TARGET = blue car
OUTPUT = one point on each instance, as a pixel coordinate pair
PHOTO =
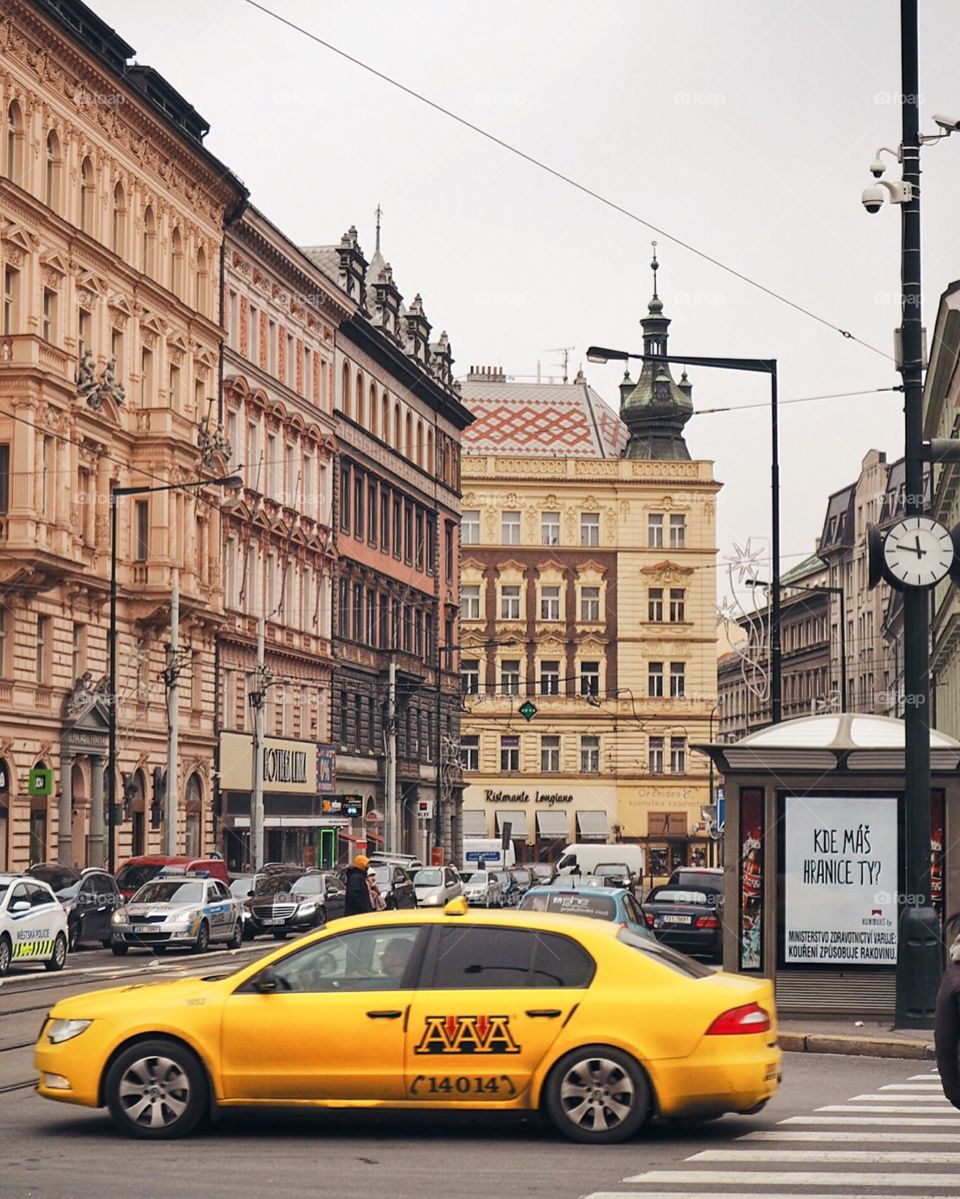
(598, 903)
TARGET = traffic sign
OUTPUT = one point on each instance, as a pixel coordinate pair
(528, 709)
(40, 781)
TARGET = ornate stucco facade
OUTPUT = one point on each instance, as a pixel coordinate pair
(111, 216)
(588, 587)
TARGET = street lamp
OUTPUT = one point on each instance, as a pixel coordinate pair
(823, 589)
(115, 493)
(765, 366)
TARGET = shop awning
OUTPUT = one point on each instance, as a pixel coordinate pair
(593, 826)
(552, 825)
(474, 823)
(518, 820)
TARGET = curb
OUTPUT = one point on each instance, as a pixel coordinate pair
(799, 1042)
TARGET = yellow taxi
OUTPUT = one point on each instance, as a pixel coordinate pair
(455, 1008)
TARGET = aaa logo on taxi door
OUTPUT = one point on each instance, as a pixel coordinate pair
(467, 1034)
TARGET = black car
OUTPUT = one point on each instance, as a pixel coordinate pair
(690, 920)
(89, 897)
(543, 873)
(523, 879)
(396, 886)
(287, 903)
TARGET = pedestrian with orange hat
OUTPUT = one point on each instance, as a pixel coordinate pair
(358, 899)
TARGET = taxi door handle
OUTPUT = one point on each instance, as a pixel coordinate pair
(393, 1014)
(546, 1013)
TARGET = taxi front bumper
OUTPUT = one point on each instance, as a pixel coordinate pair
(77, 1062)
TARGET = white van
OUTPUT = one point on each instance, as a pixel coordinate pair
(587, 855)
(490, 850)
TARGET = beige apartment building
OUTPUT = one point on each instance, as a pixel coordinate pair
(111, 215)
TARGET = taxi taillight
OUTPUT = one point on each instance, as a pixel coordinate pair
(750, 1018)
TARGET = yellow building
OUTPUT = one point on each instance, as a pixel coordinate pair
(111, 221)
(587, 588)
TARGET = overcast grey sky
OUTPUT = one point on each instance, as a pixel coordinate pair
(745, 128)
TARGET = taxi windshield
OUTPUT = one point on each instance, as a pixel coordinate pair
(571, 903)
(428, 878)
(310, 884)
(130, 877)
(274, 883)
(169, 891)
(478, 878)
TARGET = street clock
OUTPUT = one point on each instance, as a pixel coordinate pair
(916, 552)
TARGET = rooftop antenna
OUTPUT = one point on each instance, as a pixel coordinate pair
(379, 215)
(566, 352)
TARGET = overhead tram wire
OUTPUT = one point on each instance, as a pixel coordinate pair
(564, 178)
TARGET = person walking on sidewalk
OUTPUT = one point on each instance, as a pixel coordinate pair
(946, 1028)
(358, 899)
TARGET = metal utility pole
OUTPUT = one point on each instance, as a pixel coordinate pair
(390, 806)
(258, 699)
(918, 957)
(112, 698)
(170, 802)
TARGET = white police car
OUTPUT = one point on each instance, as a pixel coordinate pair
(178, 910)
(33, 924)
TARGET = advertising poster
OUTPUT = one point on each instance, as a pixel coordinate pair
(936, 852)
(840, 880)
(751, 880)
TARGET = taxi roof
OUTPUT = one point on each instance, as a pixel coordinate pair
(545, 921)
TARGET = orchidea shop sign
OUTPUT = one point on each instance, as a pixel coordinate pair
(511, 797)
(287, 767)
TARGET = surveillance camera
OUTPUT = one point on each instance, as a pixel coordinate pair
(947, 124)
(877, 168)
(872, 198)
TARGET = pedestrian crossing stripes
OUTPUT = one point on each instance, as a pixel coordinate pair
(821, 1155)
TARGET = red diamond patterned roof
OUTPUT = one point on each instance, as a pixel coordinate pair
(541, 420)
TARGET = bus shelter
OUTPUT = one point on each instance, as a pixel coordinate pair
(813, 847)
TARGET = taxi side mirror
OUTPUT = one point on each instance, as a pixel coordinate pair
(266, 982)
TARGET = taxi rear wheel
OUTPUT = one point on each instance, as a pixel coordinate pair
(58, 958)
(597, 1095)
(5, 955)
(156, 1089)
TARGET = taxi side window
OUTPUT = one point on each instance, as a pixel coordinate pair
(375, 959)
(20, 894)
(39, 896)
(560, 962)
(475, 957)
(218, 891)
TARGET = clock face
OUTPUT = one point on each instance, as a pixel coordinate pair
(918, 551)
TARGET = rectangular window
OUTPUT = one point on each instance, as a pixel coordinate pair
(233, 309)
(253, 330)
(173, 387)
(470, 753)
(470, 675)
(678, 531)
(419, 542)
(655, 680)
(397, 527)
(589, 754)
(432, 543)
(307, 373)
(84, 332)
(291, 373)
(678, 755)
(589, 678)
(272, 347)
(550, 528)
(510, 602)
(550, 754)
(385, 520)
(677, 680)
(655, 604)
(589, 528)
(252, 457)
(550, 678)
(346, 496)
(407, 531)
(470, 527)
(510, 528)
(48, 481)
(510, 754)
(448, 550)
(141, 530)
(590, 603)
(79, 650)
(655, 530)
(655, 755)
(43, 648)
(3, 643)
(146, 377)
(550, 603)
(677, 605)
(358, 505)
(510, 676)
(373, 509)
(11, 300)
(49, 315)
(4, 477)
(470, 601)
(116, 353)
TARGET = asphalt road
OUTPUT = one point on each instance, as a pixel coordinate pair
(839, 1126)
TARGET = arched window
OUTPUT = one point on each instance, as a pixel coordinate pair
(373, 409)
(358, 416)
(385, 417)
(430, 463)
(149, 240)
(15, 139)
(202, 282)
(54, 172)
(176, 264)
(397, 428)
(345, 405)
(408, 436)
(119, 219)
(86, 195)
(193, 823)
(419, 443)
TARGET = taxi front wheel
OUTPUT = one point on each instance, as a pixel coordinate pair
(58, 959)
(156, 1089)
(597, 1095)
(5, 955)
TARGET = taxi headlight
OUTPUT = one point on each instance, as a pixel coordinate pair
(429, 900)
(65, 1030)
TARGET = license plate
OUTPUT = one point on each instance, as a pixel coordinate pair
(671, 919)
(146, 928)
(270, 920)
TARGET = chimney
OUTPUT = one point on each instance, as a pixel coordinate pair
(486, 374)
